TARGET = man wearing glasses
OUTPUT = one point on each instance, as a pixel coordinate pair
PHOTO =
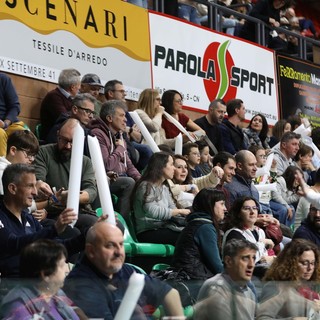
(52, 165)
(83, 111)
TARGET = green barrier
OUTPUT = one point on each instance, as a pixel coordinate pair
(135, 248)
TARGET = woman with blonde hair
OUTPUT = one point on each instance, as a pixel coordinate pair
(150, 111)
(289, 294)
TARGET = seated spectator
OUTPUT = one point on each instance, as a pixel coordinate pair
(228, 295)
(191, 152)
(261, 157)
(114, 90)
(185, 187)
(198, 247)
(82, 110)
(295, 121)
(233, 138)
(39, 296)
(205, 164)
(242, 183)
(108, 129)
(229, 23)
(9, 111)
(153, 203)
(150, 111)
(19, 228)
(290, 292)
(310, 227)
(59, 100)
(227, 163)
(257, 132)
(98, 283)
(187, 10)
(285, 152)
(267, 11)
(244, 214)
(280, 127)
(286, 195)
(172, 101)
(52, 165)
(210, 123)
(91, 83)
(303, 207)
(303, 160)
(22, 147)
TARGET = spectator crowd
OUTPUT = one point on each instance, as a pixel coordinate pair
(239, 202)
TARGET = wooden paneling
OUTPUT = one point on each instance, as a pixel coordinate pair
(31, 92)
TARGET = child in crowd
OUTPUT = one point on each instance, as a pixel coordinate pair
(205, 158)
(192, 154)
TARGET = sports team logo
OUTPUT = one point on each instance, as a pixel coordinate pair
(218, 87)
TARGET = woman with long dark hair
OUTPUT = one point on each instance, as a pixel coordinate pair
(153, 203)
(172, 102)
(257, 132)
(244, 214)
(198, 247)
(286, 196)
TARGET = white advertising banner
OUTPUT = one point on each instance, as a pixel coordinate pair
(204, 65)
(109, 38)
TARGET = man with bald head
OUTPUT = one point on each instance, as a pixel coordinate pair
(97, 284)
(241, 184)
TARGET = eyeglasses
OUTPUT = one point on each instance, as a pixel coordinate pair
(307, 263)
(87, 111)
(262, 156)
(121, 91)
(28, 154)
(180, 101)
(248, 208)
(64, 140)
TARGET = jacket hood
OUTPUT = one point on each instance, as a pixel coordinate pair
(98, 123)
(198, 215)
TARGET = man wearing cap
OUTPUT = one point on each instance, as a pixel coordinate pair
(58, 100)
(91, 83)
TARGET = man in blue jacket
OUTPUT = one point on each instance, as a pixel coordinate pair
(310, 227)
(18, 227)
(97, 284)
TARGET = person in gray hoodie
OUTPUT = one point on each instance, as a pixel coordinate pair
(286, 151)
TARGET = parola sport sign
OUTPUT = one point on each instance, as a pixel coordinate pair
(205, 65)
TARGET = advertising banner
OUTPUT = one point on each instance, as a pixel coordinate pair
(110, 38)
(299, 88)
(204, 65)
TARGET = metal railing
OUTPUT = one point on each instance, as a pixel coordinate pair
(215, 10)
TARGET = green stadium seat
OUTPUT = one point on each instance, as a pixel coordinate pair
(134, 248)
